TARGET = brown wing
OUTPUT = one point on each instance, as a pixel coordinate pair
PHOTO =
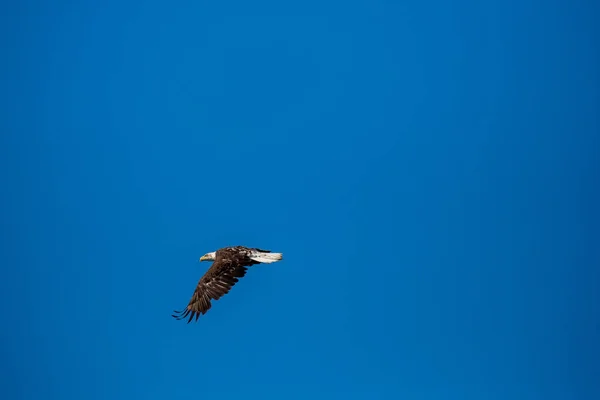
(217, 281)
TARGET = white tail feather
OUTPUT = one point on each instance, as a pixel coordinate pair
(266, 257)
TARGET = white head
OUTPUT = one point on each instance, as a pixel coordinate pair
(209, 256)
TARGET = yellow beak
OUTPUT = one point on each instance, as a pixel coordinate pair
(203, 258)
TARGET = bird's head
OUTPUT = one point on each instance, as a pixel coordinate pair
(208, 256)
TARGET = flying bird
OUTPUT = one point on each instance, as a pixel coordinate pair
(229, 264)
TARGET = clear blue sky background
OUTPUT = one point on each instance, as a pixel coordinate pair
(429, 169)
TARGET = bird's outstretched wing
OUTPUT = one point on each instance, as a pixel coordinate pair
(217, 281)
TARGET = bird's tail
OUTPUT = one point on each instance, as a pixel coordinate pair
(265, 257)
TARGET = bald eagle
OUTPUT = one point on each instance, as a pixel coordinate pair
(229, 264)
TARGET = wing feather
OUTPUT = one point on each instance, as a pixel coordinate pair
(216, 283)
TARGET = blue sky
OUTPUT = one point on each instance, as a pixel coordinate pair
(429, 170)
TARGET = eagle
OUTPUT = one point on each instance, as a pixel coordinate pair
(229, 264)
